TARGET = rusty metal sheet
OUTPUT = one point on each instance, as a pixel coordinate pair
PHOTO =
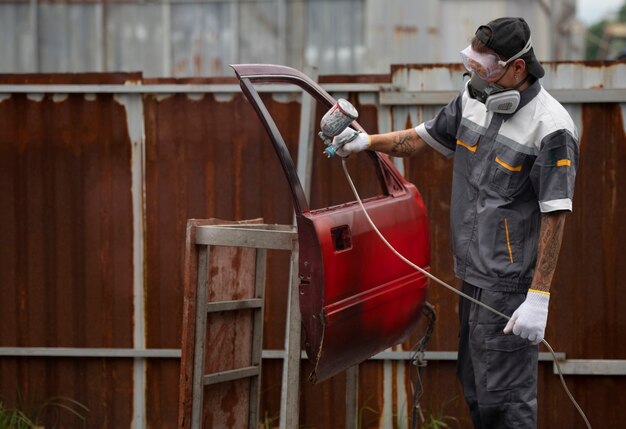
(199, 164)
(66, 247)
(206, 158)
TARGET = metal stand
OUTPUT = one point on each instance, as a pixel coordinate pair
(205, 239)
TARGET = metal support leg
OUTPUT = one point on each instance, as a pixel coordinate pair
(257, 338)
(290, 392)
(352, 397)
(201, 319)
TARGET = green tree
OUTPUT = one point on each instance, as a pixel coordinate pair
(595, 36)
(594, 39)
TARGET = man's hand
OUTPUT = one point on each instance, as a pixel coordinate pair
(348, 143)
(529, 320)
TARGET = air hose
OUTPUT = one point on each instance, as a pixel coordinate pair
(455, 290)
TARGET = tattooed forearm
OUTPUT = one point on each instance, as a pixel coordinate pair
(404, 143)
(398, 143)
(550, 237)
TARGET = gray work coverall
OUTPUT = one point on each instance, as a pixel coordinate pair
(508, 169)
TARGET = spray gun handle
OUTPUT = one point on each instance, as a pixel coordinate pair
(340, 141)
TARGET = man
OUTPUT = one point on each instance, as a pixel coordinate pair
(515, 154)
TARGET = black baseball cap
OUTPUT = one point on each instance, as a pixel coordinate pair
(508, 37)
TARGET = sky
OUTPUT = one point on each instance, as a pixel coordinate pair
(592, 11)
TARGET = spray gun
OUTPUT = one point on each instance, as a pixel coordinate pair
(334, 122)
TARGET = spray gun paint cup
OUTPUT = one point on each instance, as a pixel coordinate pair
(335, 121)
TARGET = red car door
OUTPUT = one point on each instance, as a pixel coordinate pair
(356, 297)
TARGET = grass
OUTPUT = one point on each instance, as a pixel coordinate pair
(52, 408)
(439, 420)
(11, 418)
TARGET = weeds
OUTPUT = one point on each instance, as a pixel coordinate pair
(268, 422)
(439, 420)
(11, 418)
(15, 418)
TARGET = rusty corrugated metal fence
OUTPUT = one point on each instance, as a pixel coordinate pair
(100, 172)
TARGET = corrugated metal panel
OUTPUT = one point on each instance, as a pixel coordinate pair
(207, 157)
(203, 38)
(135, 37)
(261, 32)
(399, 32)
(474, 13)
(335, 36)
(188, 38)
(69, 37)
(19, 39)
(66, 249)
(66, 266)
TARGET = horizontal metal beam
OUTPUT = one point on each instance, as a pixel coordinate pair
(593, 367)
(119, 89)
(88, 352)
(241, 304)
(604, 95)
(177, 88)
(568, 366)
(416, 98)
(408, 355)
(175, 353)
(230, 375)
(246, 237)
(390, 95)
(264, 226)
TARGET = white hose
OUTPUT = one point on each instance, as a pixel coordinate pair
(455, 290)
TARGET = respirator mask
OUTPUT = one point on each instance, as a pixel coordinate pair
(483, 66)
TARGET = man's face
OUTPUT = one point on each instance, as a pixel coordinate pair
(492, 69)
(486, 65)
(510, 76)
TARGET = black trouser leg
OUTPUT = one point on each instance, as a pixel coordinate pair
(465, 369)
(498, 371)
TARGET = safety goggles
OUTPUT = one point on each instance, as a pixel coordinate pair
(488, 65)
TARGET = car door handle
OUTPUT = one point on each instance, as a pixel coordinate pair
(342, 238)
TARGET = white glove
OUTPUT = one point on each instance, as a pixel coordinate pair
(530, 318)
(348, 143)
